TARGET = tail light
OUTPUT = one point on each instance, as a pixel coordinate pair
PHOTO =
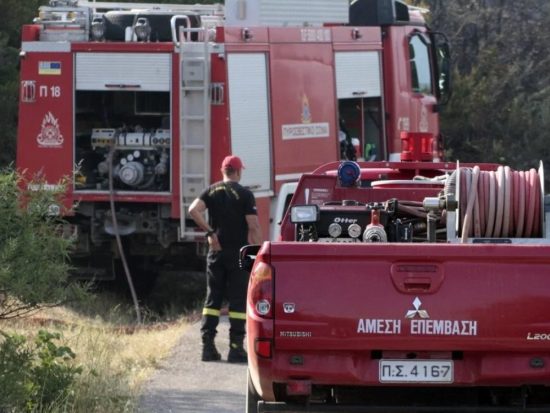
(263, 347)
(298, 388)
(416, 147)
(260, 290)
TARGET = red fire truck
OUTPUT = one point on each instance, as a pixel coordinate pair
(138, 104)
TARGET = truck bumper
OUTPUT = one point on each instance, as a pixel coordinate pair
(504, 382)
(272, 407)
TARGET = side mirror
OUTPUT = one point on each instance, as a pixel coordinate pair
(442, 64)
(247, 256)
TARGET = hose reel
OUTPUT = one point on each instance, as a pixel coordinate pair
(499, 204)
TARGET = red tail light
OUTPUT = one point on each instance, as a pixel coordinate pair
(298, 388)
(262, 347)
(416, 147)
(260, 290)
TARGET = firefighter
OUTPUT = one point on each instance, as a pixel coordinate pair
(347, 150)
(233, 223)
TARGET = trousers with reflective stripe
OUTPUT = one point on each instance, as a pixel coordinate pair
(225, 280)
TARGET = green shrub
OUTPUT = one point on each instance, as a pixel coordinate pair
(15, 367)
(37, 376)
(34, 251)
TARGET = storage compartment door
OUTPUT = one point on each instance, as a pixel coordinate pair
(123, 71)
(358, 75)
(249, 115)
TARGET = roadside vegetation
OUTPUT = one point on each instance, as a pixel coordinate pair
(500, 110)
(61, 361)
(62, 347)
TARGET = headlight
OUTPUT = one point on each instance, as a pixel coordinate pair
(301, 214)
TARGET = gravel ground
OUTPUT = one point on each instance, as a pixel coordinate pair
(186, 384)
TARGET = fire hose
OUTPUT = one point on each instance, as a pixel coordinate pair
(117, 234)
(500, 204)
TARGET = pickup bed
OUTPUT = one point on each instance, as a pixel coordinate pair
(385, 295)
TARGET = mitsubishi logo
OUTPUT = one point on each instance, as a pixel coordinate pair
(417, 311)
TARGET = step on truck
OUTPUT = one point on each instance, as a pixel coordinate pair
(404, 287)
(135, 105)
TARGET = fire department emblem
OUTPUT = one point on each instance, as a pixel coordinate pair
(50, 135)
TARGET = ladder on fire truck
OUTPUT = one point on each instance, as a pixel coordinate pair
(195, 100)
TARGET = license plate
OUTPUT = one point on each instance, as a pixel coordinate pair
(416, 371)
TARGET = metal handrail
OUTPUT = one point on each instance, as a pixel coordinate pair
(173, 26)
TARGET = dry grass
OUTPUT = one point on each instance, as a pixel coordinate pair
(117, 357)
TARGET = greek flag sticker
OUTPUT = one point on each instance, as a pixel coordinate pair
(49, 68)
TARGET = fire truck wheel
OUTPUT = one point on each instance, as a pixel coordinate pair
(252, 397)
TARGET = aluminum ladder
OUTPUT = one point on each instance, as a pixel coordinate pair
(195, 134)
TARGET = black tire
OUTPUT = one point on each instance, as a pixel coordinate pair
(252, 397)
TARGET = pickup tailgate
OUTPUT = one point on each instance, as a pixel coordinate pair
(411, 297)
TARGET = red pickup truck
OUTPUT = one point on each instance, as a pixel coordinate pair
(404, 287)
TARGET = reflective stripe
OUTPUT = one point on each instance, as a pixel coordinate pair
(238, 316)
(211, 311)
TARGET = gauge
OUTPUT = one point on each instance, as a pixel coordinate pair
(335, 230)
(354, 230)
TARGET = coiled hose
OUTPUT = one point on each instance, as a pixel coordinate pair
(499, 204)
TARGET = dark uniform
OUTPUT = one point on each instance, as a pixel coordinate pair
(347, 150)
(228, 203)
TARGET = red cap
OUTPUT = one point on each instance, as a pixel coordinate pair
(233, 162)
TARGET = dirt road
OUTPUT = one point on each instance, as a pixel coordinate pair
(185, 384)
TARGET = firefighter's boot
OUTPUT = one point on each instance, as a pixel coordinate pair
(209, 351)
(237, 354)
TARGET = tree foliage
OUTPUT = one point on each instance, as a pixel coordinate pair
(35, 377)
(33, 251)
(13, 14)
(500, 110)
